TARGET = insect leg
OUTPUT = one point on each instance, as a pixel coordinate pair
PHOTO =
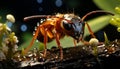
(74, 42)
(33, 39)
(44, 33)
(45, 42)
(58, 44)
(91, 32)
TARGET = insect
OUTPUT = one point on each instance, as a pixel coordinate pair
(59, 25)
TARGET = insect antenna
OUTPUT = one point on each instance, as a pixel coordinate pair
(36, 16)
(93, 12)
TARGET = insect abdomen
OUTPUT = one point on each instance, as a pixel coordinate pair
(41, 38)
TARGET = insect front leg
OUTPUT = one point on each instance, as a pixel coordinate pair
(90, 31)
(33, 39)
(58, 44)
(74, 42)
(45, 43)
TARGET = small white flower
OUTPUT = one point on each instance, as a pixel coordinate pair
(15, 39)
(15, 48)
(10, 18)
(6, 40)
(3, 27)
(94, 41)
(8, 28)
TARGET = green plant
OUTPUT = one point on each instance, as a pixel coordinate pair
(116, 19)
(106, 41)
(112, 6)
(8, 40)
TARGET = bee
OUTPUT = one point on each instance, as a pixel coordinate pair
(59, 25)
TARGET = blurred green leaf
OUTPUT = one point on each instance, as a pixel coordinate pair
(96, 24)
(108, 5)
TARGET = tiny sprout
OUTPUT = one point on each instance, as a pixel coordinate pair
(23, 51)
(10, 18)
(94, 41)
(106, 39)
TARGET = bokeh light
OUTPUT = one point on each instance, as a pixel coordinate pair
(40, 9)
(23, 27)
(39, 1)
(9, 24)
(58, 3)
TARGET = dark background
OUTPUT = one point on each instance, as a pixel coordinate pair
(23, 8)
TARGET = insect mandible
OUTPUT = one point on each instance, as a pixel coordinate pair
(59, 25)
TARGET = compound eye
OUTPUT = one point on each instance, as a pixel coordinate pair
(67, 25)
